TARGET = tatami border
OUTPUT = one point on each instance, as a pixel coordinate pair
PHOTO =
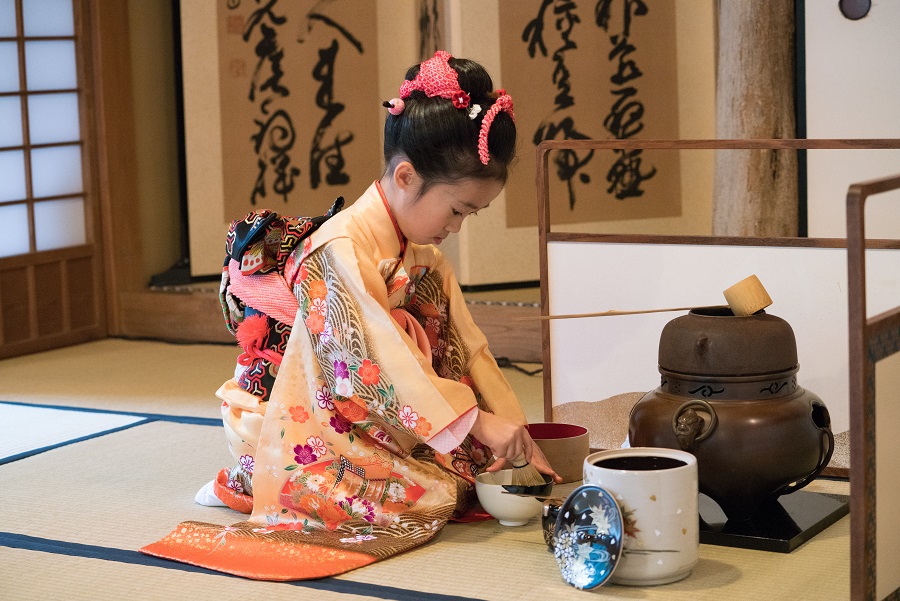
(58, 547)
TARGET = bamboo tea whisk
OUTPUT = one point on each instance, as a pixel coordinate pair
(525, 474)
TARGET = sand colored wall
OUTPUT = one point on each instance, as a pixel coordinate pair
(488, 251)
(485, 251)
(397, 50)
(887, 425)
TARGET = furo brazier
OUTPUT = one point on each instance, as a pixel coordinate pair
(729, 395)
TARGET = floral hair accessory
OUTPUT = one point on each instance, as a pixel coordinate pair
(503, 103)
(437, 78)
(460, 99)
(395, 106)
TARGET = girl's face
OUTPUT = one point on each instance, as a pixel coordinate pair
(431, 217)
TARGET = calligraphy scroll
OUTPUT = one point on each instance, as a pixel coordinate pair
(299, 103)
(598, 69)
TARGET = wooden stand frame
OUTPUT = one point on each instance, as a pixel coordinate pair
(870, 339)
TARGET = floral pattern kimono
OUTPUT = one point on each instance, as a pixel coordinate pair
(362, 450)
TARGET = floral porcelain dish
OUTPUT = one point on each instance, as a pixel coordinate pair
(585, 532)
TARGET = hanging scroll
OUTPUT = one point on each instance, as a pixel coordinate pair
(300, 111)
(599, 69)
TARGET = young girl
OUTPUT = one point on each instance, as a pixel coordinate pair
(387, 402)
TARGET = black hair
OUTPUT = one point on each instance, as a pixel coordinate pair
(441, 141)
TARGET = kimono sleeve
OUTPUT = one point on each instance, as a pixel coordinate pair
(373, 374)
(497, 396)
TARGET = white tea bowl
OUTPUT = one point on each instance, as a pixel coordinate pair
(509, 509)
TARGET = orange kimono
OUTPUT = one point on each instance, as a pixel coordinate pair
(363, 449)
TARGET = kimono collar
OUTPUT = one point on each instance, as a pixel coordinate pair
(390, 213)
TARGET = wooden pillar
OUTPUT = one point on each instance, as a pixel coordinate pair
(755, 191)
(116, 156)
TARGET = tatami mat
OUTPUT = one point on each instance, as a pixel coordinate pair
(73, 517)
(115, 493)
(123, 375)
(77, 578)
(159, 377)
(28, 430)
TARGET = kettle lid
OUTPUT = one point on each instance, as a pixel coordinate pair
(715, 342)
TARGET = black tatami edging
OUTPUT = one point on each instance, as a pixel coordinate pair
(336, 585)
(159, 417)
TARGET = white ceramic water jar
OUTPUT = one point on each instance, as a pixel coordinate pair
(656, 490)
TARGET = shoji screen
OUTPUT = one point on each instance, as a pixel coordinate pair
(41, 188)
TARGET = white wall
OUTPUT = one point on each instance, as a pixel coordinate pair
(597, 358)
(852, 91)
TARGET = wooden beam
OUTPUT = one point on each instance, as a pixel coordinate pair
(116, 156)
(173, 316)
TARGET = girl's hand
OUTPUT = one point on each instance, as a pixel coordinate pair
(509, 440)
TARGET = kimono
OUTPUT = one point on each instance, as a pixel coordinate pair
(362, 449)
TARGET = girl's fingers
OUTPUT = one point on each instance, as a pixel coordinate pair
(538, 459)
(543, 466)
(498, 465)
(529, 449)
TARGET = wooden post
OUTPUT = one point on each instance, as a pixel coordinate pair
(755, 191)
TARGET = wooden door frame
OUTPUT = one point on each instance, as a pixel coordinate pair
(545, 233)
(134, 310)
(871, 340)
(82, 301)
(116, 157)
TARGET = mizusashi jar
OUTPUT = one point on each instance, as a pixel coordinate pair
(656, 491)
(729, 395)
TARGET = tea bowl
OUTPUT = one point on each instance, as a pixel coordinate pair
(509, 509)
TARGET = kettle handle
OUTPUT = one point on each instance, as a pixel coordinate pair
(824, 458)
(701, 433)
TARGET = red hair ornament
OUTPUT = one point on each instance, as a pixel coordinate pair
(437, 78)
(503, 103)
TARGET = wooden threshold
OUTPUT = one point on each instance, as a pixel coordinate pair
(196, 316)
(174, 316)
(518, 341)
